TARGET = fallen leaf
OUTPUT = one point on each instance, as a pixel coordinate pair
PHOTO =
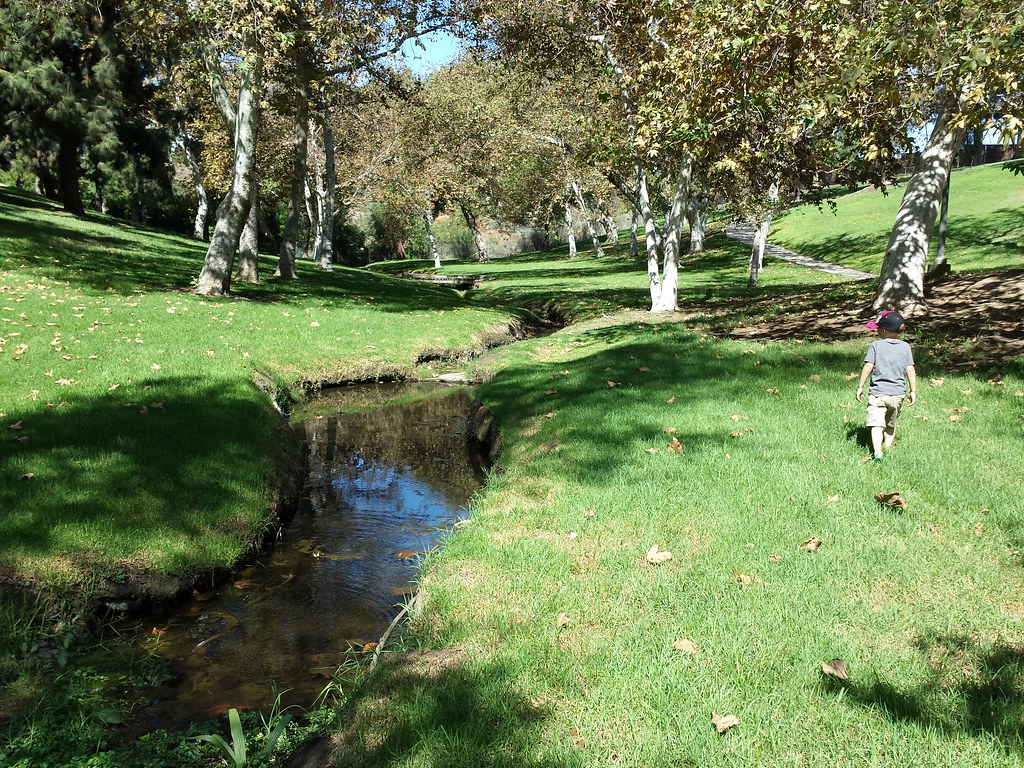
(155, 366)
(936, 382)
(686, 646)
(65, 382)
(743, 579)
(735, 418)
(851, 376)
(833, 497)
(666, 430)
(650, 450)
(158, 631)
(979, 529)
(956, 417)
(836, 668)
(893, 499)
(644, 369)
(369, 647)
(20, 439)
(550, 391)
(774, 559)
(550, 415)
(15, 425)
(405, 554)
(773, 391)
(724, 722)
(967, 391)
(563, 621)
(242, 584)
(814, 377)
(656, 557)
(811, 544)
(614, 383)
(675, 446)
(28, 476)
(673, 399)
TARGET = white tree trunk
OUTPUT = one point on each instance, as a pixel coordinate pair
(570, 233)
(215, 277)
(697, 217)
(757, 251)
(474, 227)
(901, 283)
(652, 239)
(300, 144)
(611, 229)
(314, 198)
(249, 242)
(633, 245)
(590, 221)
(202, 202)
(668, 299)
(325, 254)
(428, 224)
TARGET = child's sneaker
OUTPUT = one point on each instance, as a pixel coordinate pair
(877, 459)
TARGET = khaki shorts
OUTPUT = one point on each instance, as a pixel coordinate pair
(883, 410)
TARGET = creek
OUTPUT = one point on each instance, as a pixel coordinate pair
(390, 469)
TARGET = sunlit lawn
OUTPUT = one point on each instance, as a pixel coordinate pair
(986, 224)
(553, 640)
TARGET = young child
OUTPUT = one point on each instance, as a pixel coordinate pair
(890, 364)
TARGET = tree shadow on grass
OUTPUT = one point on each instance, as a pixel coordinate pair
(167, 474)
(435, 708)
(972, 688)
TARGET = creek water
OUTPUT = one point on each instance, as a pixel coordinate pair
(391, 468)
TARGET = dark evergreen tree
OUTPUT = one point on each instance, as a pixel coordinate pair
(71, 86)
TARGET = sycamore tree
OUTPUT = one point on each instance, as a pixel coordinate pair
(953, 65)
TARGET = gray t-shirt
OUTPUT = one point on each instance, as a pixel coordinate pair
(890, 358)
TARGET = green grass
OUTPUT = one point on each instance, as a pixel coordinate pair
(146, 444)
(925, 605)
(986, 224)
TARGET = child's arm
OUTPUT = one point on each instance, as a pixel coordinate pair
(912, 383)
(864, 373)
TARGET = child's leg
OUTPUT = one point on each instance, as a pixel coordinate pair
(888, 436)
(876, 440)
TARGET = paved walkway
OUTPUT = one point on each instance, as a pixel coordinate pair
(745, 234)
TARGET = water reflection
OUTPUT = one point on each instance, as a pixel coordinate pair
(390, 468)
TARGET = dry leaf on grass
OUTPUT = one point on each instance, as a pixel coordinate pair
(811, 545)
(814, 377)
(893, 500)
(936, 382)
(666, 430)
(832, 497)
(16, 425)
(837, 669)
(671, 400)
(724, 722)
(774, 558)
(743, 579)
(563, 621)
(851, 376)
(686, 646)
(28, 476)
(550, 391)
(774, 391)
(675, 446)
(650, 450)
(656, 557)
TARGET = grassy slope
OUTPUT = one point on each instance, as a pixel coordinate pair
(147, 442)
(925, 605)
(986, 228)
